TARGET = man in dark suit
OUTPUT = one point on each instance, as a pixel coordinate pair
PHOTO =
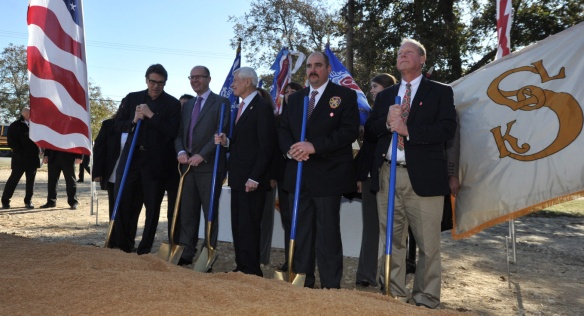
(425, 121)
(25, 160)
(251, 147)
(328, 172)
(196, 147)
(152, 161)
(106, 153)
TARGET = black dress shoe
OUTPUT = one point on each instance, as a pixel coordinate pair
(80, 181)
(48, 205)
(362, 283)
(5, 206)
(29, 206)
(75, 206)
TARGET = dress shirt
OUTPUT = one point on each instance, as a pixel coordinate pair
(401, 155)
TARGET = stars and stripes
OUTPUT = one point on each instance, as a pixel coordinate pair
(503, 27)
(57, 73)
(283, 72)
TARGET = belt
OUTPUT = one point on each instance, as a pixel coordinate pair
(398, 164)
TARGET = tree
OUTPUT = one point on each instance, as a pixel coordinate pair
(13, 82)
(269, 25)
(14, 90)
(100, 108)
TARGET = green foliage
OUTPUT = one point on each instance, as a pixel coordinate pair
(459, 35)
(269, 25)
(14, 91)
(13, 82)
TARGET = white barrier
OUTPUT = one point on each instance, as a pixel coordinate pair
(351, 224)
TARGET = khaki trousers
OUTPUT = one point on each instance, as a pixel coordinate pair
(423, 215)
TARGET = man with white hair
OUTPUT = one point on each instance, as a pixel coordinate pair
(251, 147)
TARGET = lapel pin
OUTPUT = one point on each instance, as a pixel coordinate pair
(332, 114)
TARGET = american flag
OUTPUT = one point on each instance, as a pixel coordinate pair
(503, 27)
(58, 76)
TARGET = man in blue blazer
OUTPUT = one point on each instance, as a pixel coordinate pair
(328, 172)
(424, 125)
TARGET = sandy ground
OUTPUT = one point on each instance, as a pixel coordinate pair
(62, 253)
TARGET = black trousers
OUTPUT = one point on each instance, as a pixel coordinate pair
(246, 216)
(65, 163)
(13, 180)
(318, 229)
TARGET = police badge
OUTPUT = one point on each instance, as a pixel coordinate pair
(334, 102)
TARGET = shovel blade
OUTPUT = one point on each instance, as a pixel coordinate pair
(170, 253)
(205, 261)
(281, 275)
(295, 279)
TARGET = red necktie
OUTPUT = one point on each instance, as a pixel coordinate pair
(239, 111)
(405, 113)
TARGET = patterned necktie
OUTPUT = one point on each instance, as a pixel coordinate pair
(194, 117)
(239, 111)
(311, 103)
(405, 113)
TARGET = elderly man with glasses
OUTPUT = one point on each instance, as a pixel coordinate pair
(154, 158)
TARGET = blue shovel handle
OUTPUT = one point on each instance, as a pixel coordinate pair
(126, 170)
(391, 193)
(298, 174)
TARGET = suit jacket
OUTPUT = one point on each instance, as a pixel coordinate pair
(25, 153)
(203, 133)
(157, 134)
(332, 128)
(431, 123)
(251, 145)
(106, 151)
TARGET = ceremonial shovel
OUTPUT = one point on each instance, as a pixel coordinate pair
(290, 276)
(390, 206)
(122, 184)
(172, 252)
(207, 258)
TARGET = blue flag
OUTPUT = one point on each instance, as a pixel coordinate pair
(227, 92)
(341, 76)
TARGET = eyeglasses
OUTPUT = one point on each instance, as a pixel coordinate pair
(156, 83)
(197, 77)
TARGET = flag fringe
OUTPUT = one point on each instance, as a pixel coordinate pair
(514, 215)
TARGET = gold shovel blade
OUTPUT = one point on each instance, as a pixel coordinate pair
(296, 279)
(205, 261)
(170, 253)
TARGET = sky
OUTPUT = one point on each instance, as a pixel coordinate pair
(124, 37)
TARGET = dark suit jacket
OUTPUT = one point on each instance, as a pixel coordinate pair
(431, 123)
(251, 145)
(331, 129)
(25, 153)
(203, 133)
(106, 151)
(157, 134)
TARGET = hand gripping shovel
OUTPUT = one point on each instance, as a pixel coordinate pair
(290, 276)
(208, 257)
(390, 206)
(122, 184)
(172, 252)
